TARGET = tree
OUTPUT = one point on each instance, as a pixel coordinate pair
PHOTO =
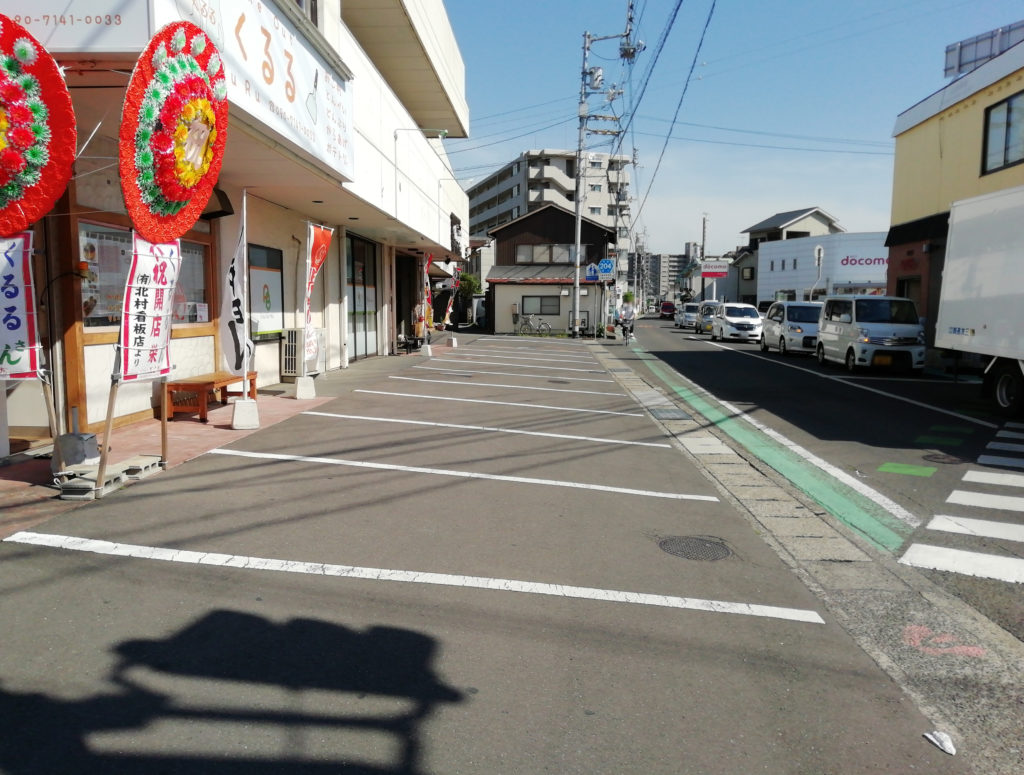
(469, 284)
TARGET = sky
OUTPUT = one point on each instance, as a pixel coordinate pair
(734, 110)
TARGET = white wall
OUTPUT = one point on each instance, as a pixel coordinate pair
(848, 258)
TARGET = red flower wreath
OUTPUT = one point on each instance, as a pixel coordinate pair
(37, 129)
(173, 130)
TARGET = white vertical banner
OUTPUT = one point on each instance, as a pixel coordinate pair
(237, 349)
(19, 330)
(148, 310)
(318, 242)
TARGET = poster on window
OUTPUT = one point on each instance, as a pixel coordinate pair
(19, 332)
(148, 310)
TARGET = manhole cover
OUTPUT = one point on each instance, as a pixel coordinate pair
(695, 547)
(670, 414)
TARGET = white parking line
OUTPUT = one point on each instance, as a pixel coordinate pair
(986, 566)
(467, 372)
(679, 496)
(490, 354)
(522, 366)
(504, 403)
(983, 528)
(492, 429)
(514, 387)
(94, 546)
(986, 501)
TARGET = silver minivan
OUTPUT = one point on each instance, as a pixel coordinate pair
(862, 331)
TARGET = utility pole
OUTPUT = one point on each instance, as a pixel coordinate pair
(591, 83)
(703, 243)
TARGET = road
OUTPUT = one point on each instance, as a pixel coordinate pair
(512, 556)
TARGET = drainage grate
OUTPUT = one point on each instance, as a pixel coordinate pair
(670, 413)
(695, 547)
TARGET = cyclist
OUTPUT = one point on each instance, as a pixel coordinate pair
(627, 316)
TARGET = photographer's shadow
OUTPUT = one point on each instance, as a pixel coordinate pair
(249, 661)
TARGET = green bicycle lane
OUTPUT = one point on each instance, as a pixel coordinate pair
(867, 516)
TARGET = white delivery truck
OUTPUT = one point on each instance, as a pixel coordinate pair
(981, 304)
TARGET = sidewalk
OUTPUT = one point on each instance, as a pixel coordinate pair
(29, 496)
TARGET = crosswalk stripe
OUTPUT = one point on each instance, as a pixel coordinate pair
(986, 501)
(1010, 435)
(983, 528)
(996, 460)
(991, 477)
(1004, 446)
(986, 566)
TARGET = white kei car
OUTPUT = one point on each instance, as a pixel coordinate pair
(791, 326)
(735, 321)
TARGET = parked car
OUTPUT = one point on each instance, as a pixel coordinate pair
(686, 314)
(668, 310)
(736, 321)
(791, 326)
(870, 331)
(705, 316)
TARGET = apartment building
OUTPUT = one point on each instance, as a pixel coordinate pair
(539, 177)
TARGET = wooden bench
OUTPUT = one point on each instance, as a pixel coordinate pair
(192, 394)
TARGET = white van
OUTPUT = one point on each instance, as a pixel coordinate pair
(791, 326)
(870, 331)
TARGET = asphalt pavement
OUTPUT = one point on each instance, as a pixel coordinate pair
(511, 555)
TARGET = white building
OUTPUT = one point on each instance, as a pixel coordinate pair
(336, 114)
(851, 263)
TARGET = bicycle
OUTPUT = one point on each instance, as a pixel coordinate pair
(530, 325)
(627, 331)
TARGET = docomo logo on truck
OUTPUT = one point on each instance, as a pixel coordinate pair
(856, 261)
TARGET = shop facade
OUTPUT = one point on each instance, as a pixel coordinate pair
(322, 130)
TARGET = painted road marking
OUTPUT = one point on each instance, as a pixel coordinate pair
(990, 477)
(1010, 435)
(1005, 462)
(885, 529)
(462, 474)
(493, 429)
(986, 501)
(938, 441)
(522, 366)
(907, 470)
(513, 387)
(94, 546)
(469, 372)
(1003, 446)
(490, 353)
(505, 403)
(986, 566)
(983, 528)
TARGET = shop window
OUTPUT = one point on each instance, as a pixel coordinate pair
(266, 290)
(1004, 134)
(541, 305)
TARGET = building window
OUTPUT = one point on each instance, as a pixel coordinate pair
(595, 187)
(794, 264)
(595, 211)
(541, 305)
(107, 252)
(595, 165)
(1004, 134)
(783, 265)
(771, 266)
(748, 273)
(309, 9)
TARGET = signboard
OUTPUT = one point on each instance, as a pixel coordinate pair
(591, 275)
(19, 334)
(148, 308)
(606, 268)
(712, 269)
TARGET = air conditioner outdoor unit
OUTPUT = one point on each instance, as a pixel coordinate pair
(292, 350)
